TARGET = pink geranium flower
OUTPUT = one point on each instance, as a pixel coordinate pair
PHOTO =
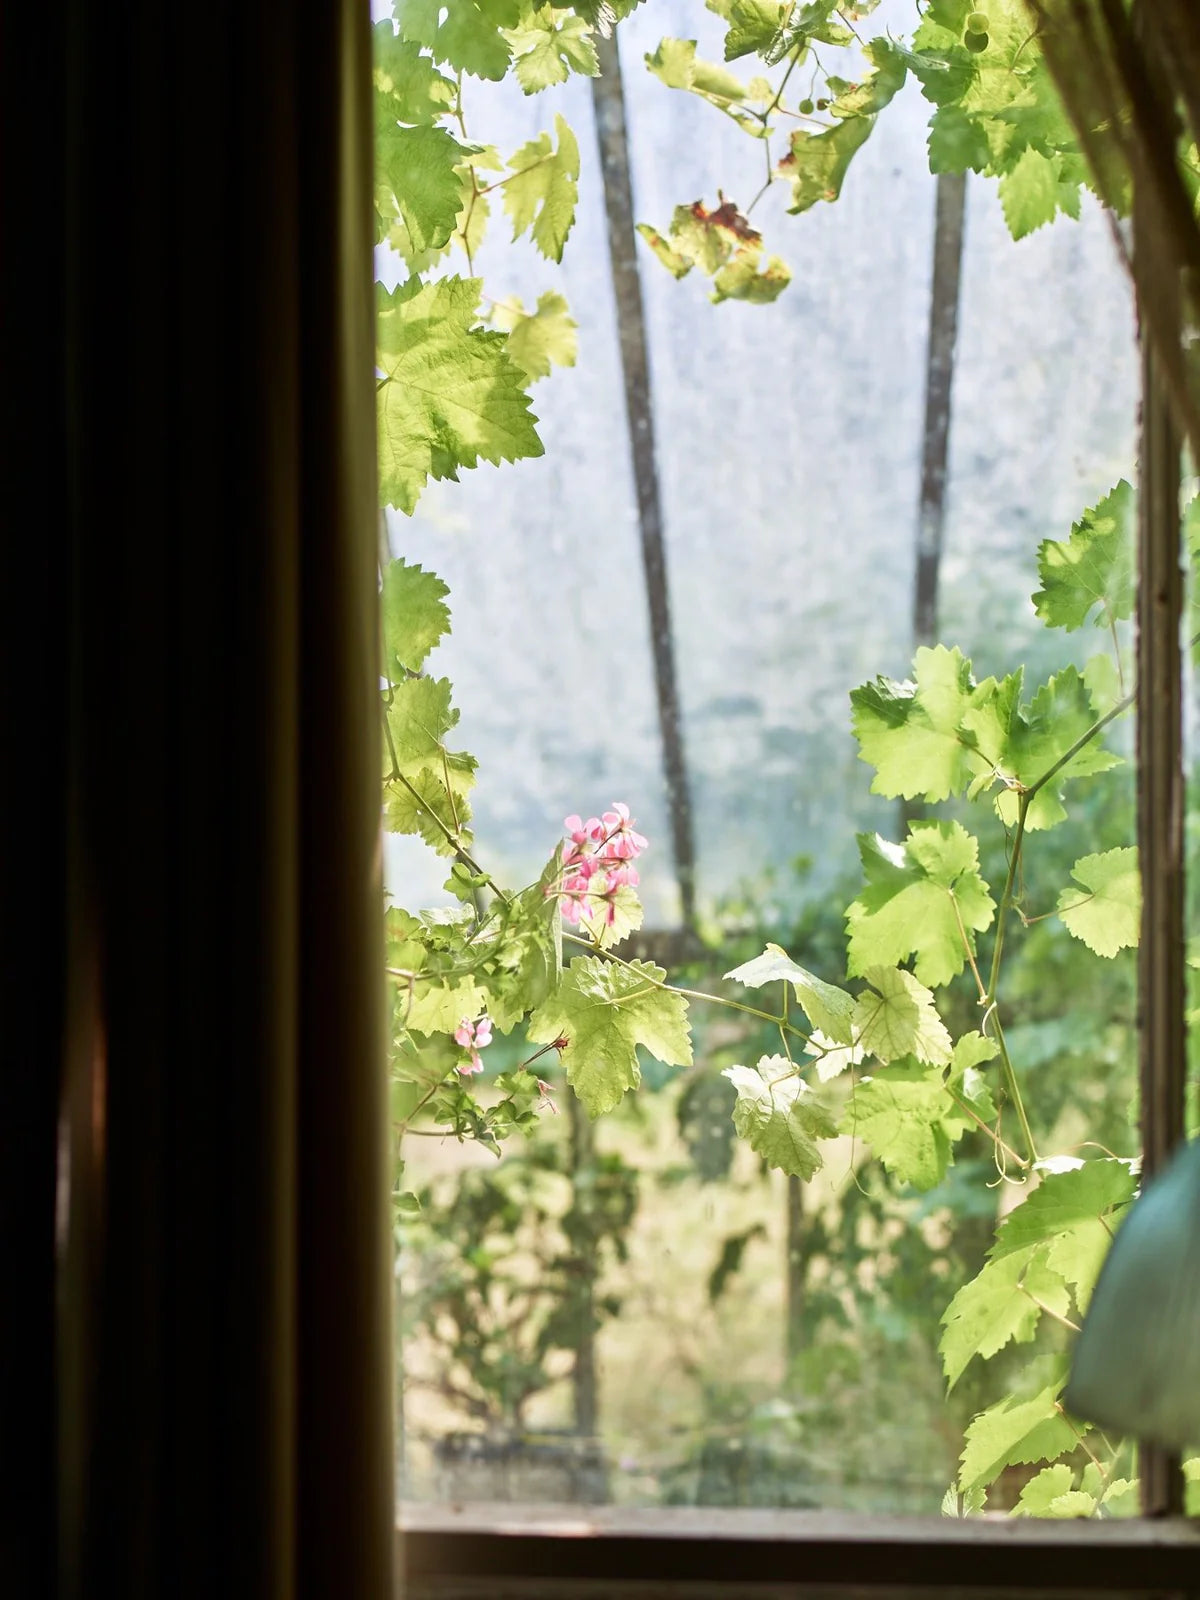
(473, 1037)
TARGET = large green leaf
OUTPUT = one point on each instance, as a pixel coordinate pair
(1003, 1302)
(676, 64)
(1021, 744)
(899, 1113)
(468, 35)
(912, 732)
(549, 46)
(753, 24)
(412, 87)
(1074, 1214)
(604, 1011)
(1105, 911)
(1091, 573)
(779, 1116)
(1029, 193)
(419, 167)
(449, 396)
(1012, 1432)
(922, 898)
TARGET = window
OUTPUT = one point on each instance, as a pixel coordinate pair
(724, 717)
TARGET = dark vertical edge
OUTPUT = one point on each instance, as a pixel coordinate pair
(797, 1271)
(1161, 975)
(1162, 1039)
(346, 1485)
(33, 690)
(948, 229)
(939, 382)
(583, 1376)
(609, 101)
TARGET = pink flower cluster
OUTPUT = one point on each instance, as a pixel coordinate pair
(597, 860)
(473, 1037)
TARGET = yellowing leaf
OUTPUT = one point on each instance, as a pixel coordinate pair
(541, 194)
(538, 340)
(896, 1017)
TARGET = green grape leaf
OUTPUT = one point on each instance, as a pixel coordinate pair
(998, 1305)
(911, 732)
(896, 1017)
(1073, 1213)
(1106, 910)
(413, 88)
(449, 396)
(549, 46)
(826, 1006)
(418, 719)
(922, 898)
(470, 223)
(604, 1012)
(437, 1005)
(1013, 1432)
(676, 64)
(1020, 744)
(753, 24)
(957, 142)
(541, 339)
(779, 1116)
(468, 35)
(419, 165)
(430, 807)
(898, 1112)
(1029, 193)
(1091, 574)
(816, 163)
(542, 192)
(415, 616)
(1043, 1489)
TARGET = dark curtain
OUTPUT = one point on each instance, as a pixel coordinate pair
(194, 1343)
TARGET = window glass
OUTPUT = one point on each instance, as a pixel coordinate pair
(650, 1308)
